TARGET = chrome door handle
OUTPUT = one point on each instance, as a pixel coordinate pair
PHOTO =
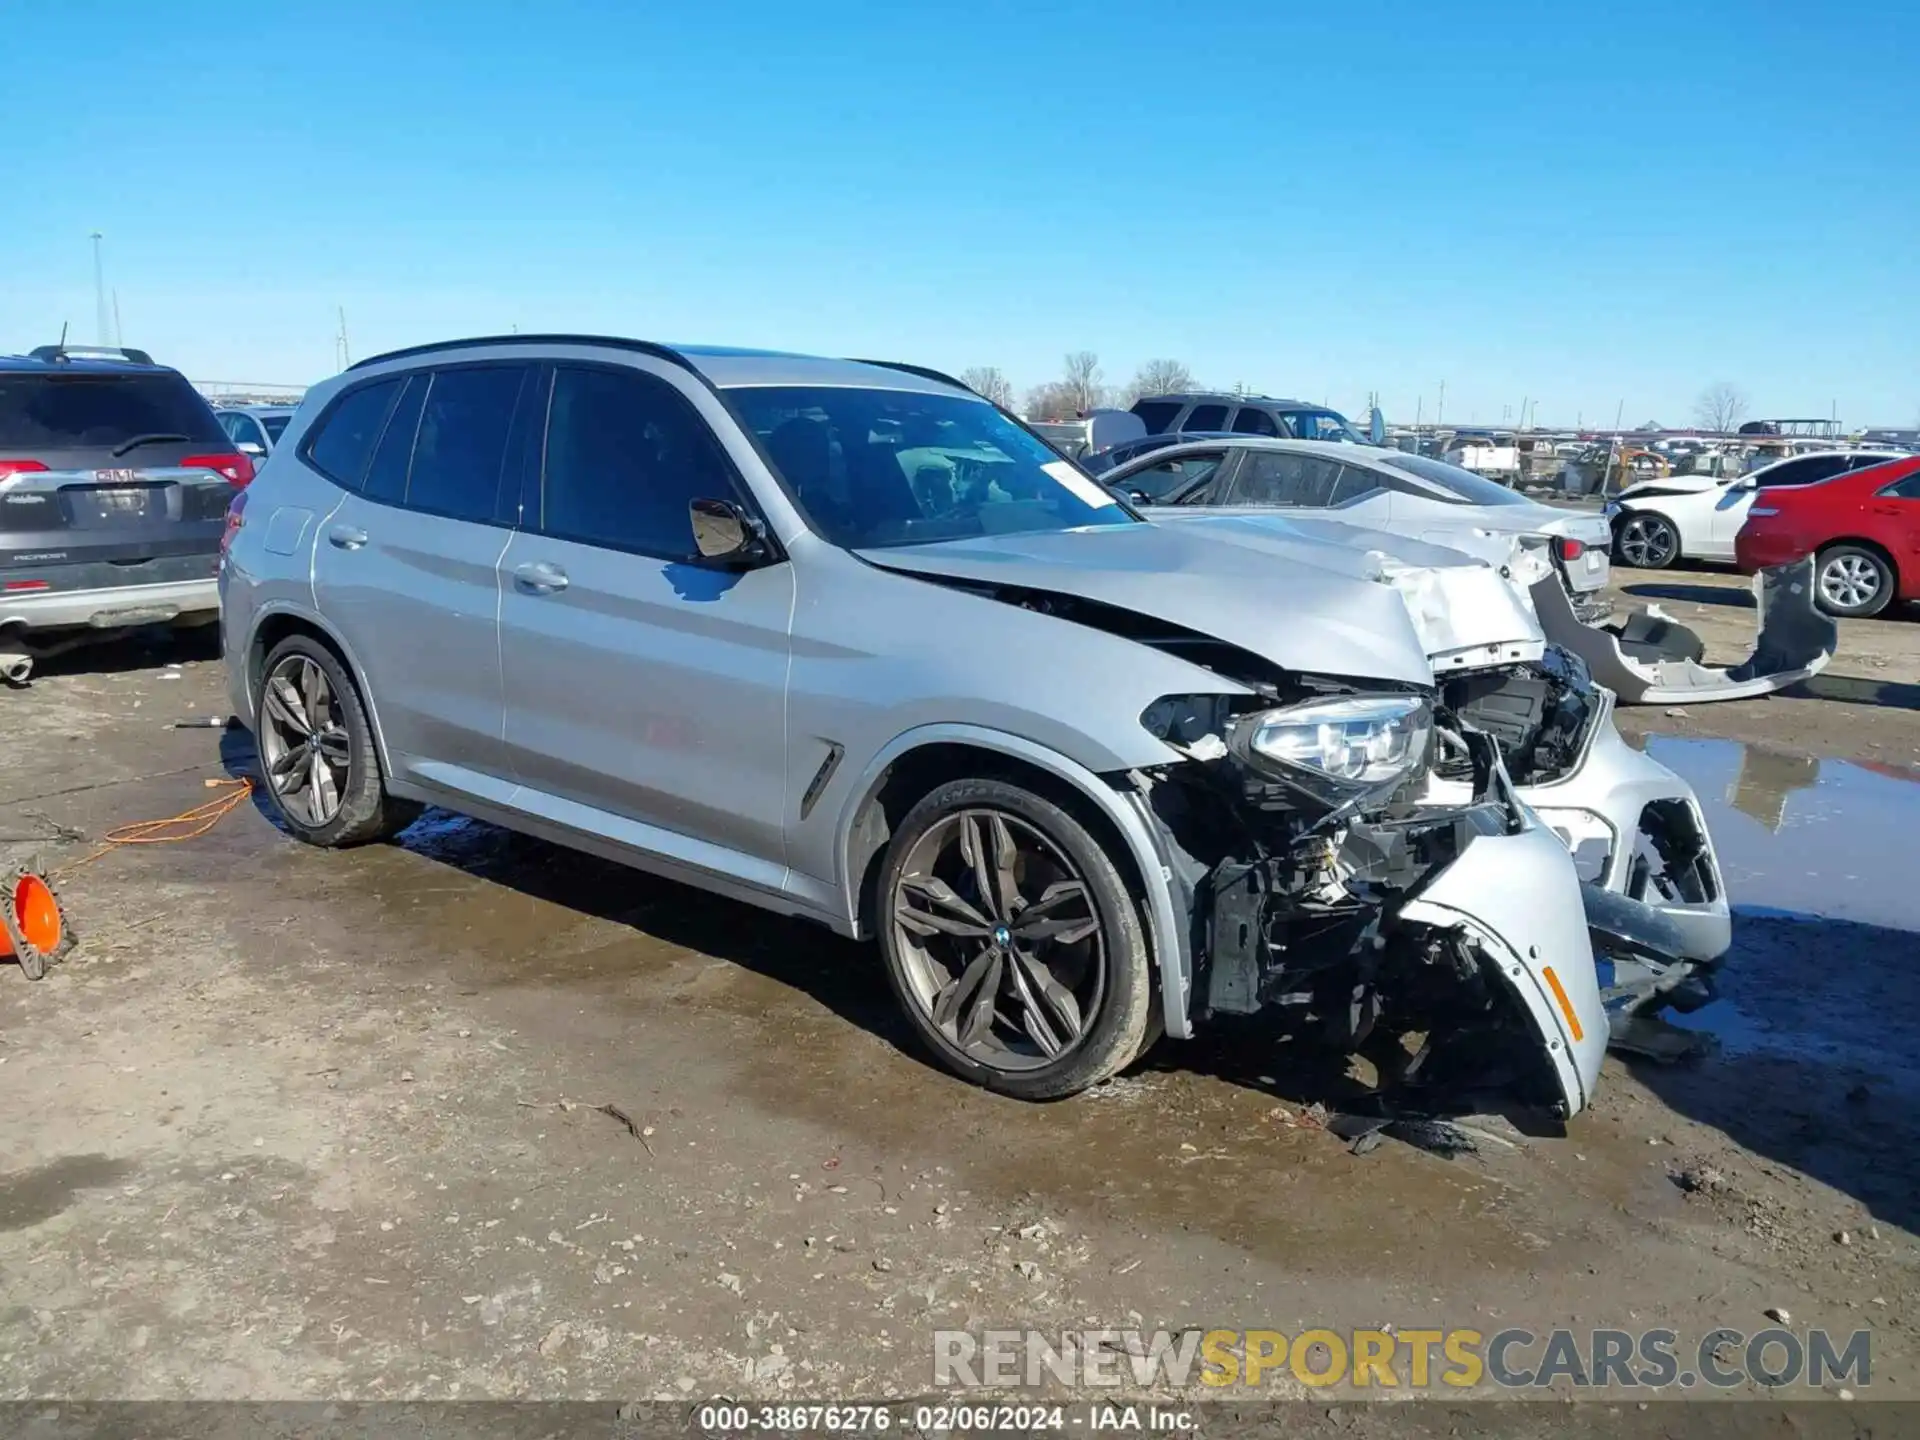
(346, 537)
(540, 578)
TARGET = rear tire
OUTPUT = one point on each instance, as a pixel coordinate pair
(1853, 581)
(1012, 943)
(319, 767)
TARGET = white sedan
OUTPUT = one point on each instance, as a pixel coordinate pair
(1696, 517)
(1410, 495)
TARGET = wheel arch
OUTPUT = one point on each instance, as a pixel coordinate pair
(280, 622)
(915, 763)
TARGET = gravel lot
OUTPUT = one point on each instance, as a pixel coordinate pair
(294, 1125)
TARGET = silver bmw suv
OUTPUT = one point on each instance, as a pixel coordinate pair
(843, 640)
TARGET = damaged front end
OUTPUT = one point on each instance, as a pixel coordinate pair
(1647, 659)
(1444, 943)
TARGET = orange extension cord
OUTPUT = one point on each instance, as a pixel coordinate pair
(190, 825)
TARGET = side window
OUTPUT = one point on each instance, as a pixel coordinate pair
(461, 446)
(1251, 421)
(1206, 417)
(1172, 479)
(387, 476)
(1284, 479)
(626, 457)
(1906, 488)
(1356, 481)
(230, 422)
(1810, 471)
(343, 442)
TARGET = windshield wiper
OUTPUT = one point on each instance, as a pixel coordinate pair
(154, 439)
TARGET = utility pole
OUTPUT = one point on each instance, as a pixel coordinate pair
(99, 292)
(119, 335)
(1440, 410)
(341, 354)
(1619, 415)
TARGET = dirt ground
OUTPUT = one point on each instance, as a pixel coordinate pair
(293, 1124)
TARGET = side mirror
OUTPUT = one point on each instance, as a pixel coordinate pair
(723, 532)
(1139, 497)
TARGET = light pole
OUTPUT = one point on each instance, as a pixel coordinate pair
(99, 293)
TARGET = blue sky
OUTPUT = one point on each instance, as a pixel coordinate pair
(1582, 205)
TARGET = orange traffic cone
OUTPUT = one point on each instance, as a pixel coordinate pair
(33, 927)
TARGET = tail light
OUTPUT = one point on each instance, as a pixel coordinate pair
(237, 468)
(1568, 548)
(19, 467)
(16, 587)
(236, 517)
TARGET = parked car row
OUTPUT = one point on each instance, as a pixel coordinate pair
(844, 640)
(1857, 512)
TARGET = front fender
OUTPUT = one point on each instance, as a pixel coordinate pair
(1165, 930)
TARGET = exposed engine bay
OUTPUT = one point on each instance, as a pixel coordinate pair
(1302, 910)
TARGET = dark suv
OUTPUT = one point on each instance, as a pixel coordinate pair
(114, 484)
(1244, 415)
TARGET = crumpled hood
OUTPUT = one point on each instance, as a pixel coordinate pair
(1323, 610)
(1466, 612)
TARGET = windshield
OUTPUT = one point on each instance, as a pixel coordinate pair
(1320, 425)
(1454, 485)
(276, 426)
(877, 468)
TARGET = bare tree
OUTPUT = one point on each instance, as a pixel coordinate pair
(1158, 377)
(1720, 407)
(987, 382)
(1049, 402)
(1081, 386)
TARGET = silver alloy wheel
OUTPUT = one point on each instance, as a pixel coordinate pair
(307, 756)
(1648, 542)
(1002, 946)
(1849, 582)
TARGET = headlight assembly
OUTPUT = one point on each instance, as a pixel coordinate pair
(1338, 749)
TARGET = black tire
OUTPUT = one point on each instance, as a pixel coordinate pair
(366, 811)
(1117, 1031)
(1839, 573)
(1653, 538)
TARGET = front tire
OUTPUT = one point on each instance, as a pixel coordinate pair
(1853, 581)
(319, 767)
(1645, 541)
(1012, 943)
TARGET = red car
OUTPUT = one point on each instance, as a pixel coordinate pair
(1864, 526)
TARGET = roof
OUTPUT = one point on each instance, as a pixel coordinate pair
(1216, 397)
(724, 367)
(1343, 449)
(78, 365)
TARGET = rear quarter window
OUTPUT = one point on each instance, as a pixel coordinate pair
(343, 439)
(1157, 415)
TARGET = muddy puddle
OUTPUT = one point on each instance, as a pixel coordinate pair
(1818, 864)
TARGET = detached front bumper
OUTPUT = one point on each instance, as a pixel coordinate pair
(1795, 641)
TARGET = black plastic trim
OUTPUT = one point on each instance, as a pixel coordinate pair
(641, 347)
(924, 372)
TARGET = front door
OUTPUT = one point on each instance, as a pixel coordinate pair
(646, 690)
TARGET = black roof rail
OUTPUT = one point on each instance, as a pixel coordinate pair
(90, 352)
(921, 370)
(644, 347)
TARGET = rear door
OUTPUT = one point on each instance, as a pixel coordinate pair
(110, 478)
(1895, 511)
(407, 565)
(644, 687)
